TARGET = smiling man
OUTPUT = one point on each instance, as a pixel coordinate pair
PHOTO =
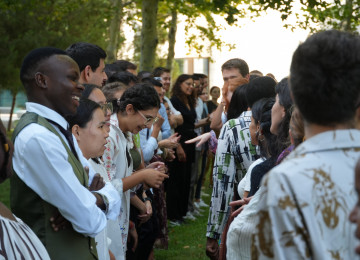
(50, 182)
(91, 61)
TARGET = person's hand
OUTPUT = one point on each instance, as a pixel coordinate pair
(200, 139)
(172, 121)
(241, 203)
(148, 207)
(97, 183)
(181, 154)
(159, 122)
(171, 142)
(159, 166)
(58, 222)
(147, 215)
(154, 178)
(133, 236)
(212, 248)
(170, 155)
(112, 257)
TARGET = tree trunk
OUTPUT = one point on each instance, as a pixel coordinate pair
(148, 34)
(172, 39)
(348, 13)
(114, 31)
(12, 110)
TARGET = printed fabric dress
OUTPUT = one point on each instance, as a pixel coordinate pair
(305, 201)
(119, 165)
(233, 157)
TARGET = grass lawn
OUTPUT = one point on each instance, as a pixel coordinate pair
(5, 193)
(188, 241)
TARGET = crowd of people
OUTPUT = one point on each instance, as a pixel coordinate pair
(106, 159)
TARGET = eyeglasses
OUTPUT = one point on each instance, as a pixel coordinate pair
(149, 119)
(107, 107)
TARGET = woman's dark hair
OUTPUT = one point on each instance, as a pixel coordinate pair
(283, 91)
(261, 87)
(238, 103)
(176, 91)
(261, 112)
(84, 113)
(88, 89)
(142, 96)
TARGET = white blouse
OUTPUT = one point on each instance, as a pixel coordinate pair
(117, 168)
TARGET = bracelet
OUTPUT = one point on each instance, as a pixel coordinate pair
(147, 199)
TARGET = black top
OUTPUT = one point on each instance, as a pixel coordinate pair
(211, 106)
(258, 173)
(186, 130)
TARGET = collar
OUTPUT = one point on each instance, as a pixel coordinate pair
(329, 140)
(114, 120)
(46, 113)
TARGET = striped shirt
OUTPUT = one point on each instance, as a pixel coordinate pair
(18, 241)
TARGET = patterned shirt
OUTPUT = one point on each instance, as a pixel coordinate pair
(306, 200)
(234, 155)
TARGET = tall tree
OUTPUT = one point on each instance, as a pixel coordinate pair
(149, 39)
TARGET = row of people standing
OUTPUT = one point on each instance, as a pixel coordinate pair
(307, 158)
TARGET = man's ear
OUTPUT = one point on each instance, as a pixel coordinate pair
(87, 73)
(130, 109)
(40, 80)
(76, 132)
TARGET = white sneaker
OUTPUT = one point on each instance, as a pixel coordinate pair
(197, 207)
(203, 204)
(203, 194)
(174, 223)
(189, 216)
(197, 213)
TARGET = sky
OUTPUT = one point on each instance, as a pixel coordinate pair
(265, 44)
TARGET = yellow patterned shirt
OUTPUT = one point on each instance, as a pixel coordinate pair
(306, 200)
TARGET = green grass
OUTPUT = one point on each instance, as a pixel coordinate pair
(5, 193)
(188, 241)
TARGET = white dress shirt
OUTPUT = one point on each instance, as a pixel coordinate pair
(41, 162)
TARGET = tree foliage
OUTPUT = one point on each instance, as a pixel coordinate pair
(316, 14)
(25, 25)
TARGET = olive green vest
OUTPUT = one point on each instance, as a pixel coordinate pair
(34, 211)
